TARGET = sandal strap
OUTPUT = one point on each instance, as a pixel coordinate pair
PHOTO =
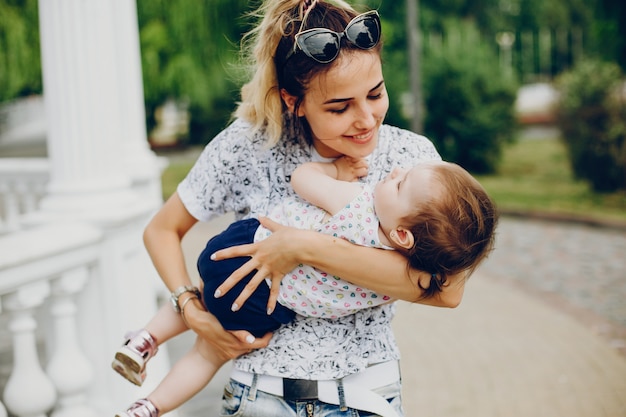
(140, 341)
(143, 408)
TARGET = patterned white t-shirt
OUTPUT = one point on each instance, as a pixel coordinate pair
(311, 292)
(237, 172)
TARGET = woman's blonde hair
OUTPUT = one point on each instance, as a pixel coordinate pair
(265, 48)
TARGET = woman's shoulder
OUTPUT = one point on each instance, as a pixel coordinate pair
(243, 134)
(240, 132)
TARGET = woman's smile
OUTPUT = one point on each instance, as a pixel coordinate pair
(362, 138)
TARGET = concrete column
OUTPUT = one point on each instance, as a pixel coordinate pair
(96, 133)
(80, 94)
(140, 163)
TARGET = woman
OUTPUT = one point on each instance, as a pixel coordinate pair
(317, 93)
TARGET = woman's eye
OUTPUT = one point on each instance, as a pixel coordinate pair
(375, 96)
(339, 111)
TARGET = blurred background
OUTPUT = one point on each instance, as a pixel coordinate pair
(528, 95)
(482, 77)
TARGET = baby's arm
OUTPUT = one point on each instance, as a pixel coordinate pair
(329, 185)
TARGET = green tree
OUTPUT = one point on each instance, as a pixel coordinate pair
(468, 101)
(608, 30)
(188, 51)
(20, 61)
(592, 117)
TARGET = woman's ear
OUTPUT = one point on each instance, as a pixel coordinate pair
(402, 237)
(288, 99)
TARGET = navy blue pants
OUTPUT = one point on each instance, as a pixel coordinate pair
(252, 315)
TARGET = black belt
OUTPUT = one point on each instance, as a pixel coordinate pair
(354, 391)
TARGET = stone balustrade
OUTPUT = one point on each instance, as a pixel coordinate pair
(69, 289)
(43, 272)
(22, 184)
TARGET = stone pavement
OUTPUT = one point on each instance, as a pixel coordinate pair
(540, 332)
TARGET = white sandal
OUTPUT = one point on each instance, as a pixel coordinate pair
(131, 359)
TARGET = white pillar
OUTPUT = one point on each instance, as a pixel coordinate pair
(138, 160)
(80, 94)
(94, 106)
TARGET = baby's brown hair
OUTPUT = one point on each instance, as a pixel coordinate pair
(454, 230)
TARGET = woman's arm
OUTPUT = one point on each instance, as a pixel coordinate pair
(379, 270)
(162, 238)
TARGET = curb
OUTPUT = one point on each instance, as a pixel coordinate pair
(566, 218)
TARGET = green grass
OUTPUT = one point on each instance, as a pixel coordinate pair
(534, 176)
(173, 174)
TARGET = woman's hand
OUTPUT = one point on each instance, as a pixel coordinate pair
(228, 344)
(273, 258)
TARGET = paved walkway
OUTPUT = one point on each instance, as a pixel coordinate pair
(540, 332)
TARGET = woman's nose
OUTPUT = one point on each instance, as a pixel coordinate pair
(365, 118)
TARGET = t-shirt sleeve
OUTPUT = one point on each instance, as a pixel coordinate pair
(217, 182)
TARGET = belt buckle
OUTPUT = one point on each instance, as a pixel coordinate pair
(299, 389)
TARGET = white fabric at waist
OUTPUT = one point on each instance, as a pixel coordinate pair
(375, 376)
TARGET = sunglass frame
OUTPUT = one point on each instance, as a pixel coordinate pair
(372, 14)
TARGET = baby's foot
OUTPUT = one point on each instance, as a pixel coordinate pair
(131, 359)
(140, 408)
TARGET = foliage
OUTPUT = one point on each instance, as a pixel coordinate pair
(469, 101)
(187, 53)
(592, 117)
(395, 62)
(20, 62)
(189, 47)
(608, 31)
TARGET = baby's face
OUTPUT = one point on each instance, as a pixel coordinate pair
(398, 195)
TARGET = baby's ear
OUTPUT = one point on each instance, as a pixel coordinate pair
(402, 237)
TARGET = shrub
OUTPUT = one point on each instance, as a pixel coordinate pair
(592, 119)
(468, 100)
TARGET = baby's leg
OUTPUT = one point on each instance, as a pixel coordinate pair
(140, 346)
(187, 377)
(166, 324)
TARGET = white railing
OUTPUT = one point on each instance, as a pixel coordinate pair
(68, 289)
(22, 185)
(43, 271)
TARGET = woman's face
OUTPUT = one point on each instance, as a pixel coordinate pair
(346, 105)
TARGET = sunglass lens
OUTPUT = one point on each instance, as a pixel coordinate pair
(364, 33)
(321, 46)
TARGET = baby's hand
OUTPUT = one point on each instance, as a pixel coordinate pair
(350, 169)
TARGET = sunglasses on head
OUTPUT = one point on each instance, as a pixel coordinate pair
(323, 45)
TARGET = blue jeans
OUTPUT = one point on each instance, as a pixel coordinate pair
(244, 401)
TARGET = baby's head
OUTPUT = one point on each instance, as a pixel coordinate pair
(439, 216)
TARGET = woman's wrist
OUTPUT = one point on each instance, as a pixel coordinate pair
(181, 294)
(307, 245)
(190, 307)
